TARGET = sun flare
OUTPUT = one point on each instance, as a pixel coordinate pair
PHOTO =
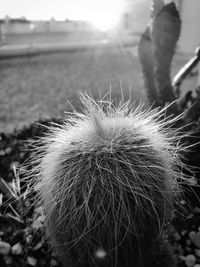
(102, 14)
(105, 14)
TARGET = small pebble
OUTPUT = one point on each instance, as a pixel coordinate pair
(4, 248)
(197, 252)
(182, 202)
(2, 153)
(9, 229)
(177, 237)
(195, 237)
(183, 232)
(38, 223)
(100, 253)
(17, 249)
(39, 210)
(31, 261)
(53, 263)
(190, 216)
(8, 150)
(38, 246)
(1, 233)
(190, 260)
(196, 210)
(8, 259)
(29, 239)
(191, 234)
(21, 155)
(182, 258)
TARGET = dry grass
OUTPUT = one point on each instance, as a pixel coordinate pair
(37, 87)
(31, 88)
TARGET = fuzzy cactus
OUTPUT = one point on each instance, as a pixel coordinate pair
(107, 178)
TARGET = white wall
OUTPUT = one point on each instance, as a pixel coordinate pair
(190, 33)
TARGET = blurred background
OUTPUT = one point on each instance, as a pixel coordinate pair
(52, 50)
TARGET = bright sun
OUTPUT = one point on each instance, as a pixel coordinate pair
(105, 14)
(102, 14)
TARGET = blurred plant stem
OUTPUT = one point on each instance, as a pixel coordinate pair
(156, 51)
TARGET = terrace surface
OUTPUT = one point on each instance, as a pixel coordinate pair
(38, 85)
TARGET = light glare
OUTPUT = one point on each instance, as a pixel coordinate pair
(106, 15)
(102, 14)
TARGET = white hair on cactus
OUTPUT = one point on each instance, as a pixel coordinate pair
(107, 178)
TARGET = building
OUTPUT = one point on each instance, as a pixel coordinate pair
(15, 25)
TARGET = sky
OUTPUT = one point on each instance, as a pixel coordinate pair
(60, 9)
